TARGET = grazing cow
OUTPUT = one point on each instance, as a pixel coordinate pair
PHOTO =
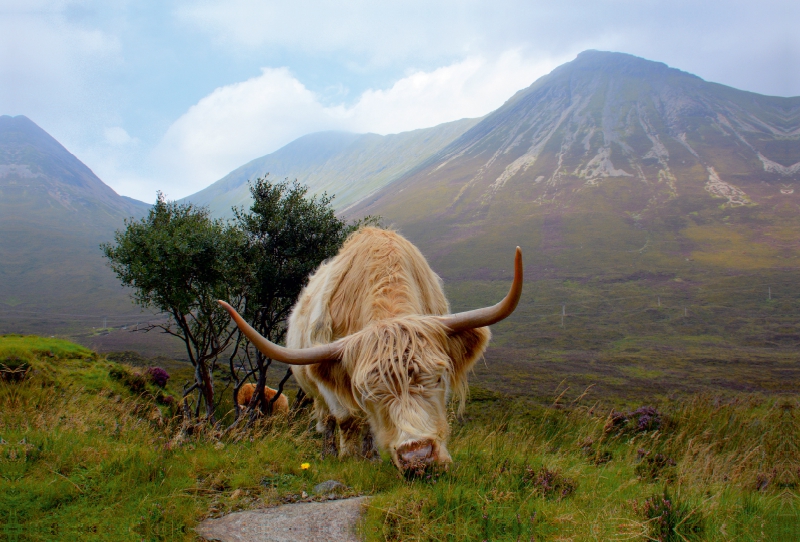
(372, 341)
(246, 394)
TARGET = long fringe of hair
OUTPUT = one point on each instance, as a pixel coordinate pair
(381, 293)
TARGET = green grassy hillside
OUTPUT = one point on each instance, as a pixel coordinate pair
(89, 450)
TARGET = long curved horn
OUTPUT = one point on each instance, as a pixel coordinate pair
(489, 315)
(291, 356)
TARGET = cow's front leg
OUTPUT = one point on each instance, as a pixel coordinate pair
(350, 437)
(326, 424)
(329, 437)
(368, 448)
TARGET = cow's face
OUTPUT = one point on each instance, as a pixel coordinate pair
(401, 373)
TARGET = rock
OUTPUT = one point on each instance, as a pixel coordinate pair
(331, 486)
(332, 521)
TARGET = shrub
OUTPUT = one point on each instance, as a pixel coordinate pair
(164, 399)
(670, 520)
(655, 466)
(596, 455)
(645, 418)
(158, 376)
(550, 483)
(132, 380)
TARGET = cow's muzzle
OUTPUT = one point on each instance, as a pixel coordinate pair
(416, 455)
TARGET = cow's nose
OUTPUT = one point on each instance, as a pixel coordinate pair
(416, 454)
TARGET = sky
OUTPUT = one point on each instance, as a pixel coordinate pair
(172, 95)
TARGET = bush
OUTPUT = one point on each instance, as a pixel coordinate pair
(158, 376)
(645, 418)
(671, 520)
(550, 483)
(655, 466)
(132, 380)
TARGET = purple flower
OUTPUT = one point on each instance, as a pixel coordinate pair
(647, 418)
(158, 376)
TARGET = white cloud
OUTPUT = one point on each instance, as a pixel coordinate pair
(471, 88)
(240, 122)
(47, 64)
(117, 136)
(235, 124)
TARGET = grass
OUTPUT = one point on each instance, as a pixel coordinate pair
(84, 457)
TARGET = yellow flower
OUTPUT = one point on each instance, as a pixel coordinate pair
(305, 466)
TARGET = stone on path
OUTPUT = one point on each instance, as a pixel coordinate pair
(331, 486)
(331, 521)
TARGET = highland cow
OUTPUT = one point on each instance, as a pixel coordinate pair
(246, 392)
(372, 341)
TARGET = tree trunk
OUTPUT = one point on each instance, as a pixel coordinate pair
(259, 397)
(207, 388)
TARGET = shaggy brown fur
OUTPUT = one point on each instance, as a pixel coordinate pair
(400, 365)
(246, 394)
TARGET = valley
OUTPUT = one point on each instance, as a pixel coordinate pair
(657, 212)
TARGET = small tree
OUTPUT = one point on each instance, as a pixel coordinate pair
(289, 234)
(180, 261)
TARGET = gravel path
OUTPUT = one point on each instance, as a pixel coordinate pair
(329, 521)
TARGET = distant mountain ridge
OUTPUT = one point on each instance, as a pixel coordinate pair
(349, 166)
(54, 213)
(606, 122)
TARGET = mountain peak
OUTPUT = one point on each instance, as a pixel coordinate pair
(613, 63)
(54, 212)
(611, 123)
(17, 132)
(34, 161)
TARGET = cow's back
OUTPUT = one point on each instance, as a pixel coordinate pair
(378, 274)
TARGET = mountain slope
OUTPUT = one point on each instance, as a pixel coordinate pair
(610, 117)
(638, 192)
(54, 212)
(350, 166)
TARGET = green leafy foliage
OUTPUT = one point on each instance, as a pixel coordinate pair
(180, 262)
(288, 234)
(176, 258)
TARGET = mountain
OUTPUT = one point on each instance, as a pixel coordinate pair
(607, 123)
(54, 212)
(349, 166)
(653, 208)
